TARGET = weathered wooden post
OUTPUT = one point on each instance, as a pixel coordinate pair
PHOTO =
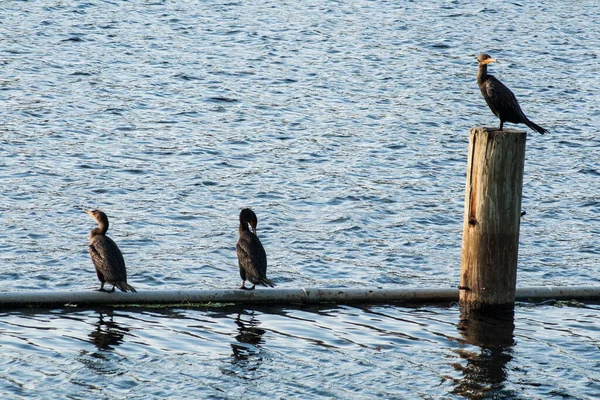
(492, 218)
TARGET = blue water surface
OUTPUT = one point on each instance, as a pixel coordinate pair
(344, 125)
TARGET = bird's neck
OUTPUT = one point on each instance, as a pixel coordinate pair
(482, 75)
(243, 228)
(101, 230)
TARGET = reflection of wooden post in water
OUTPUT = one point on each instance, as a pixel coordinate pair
(492, 218)
(485, 370)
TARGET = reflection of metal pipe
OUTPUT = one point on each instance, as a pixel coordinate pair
(275, 296)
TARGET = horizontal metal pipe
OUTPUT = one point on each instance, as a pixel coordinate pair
(274, 296)
(536, 293)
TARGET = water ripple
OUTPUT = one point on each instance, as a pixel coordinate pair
(344, 126)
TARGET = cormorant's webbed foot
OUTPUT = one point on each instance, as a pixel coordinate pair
(243, 287)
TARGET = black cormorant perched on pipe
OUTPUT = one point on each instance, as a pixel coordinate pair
(107, 258)
(499, 98)
(252, 258)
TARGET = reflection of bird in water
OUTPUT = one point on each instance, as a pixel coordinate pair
(499, 98)
(252, 258)
(107, 258)
(248, 333)
(107, 334)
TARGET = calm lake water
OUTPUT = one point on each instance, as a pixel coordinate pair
(344, 125)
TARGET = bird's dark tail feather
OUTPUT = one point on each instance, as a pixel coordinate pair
(535, 127)
(125, 287)
(265, 282)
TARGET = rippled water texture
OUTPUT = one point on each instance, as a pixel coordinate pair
(330, 352)
(344, 125)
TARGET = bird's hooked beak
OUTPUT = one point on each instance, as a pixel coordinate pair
(253, 227)
(489, 60)
(88, 212)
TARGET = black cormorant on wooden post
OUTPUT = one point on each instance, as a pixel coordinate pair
(499, 98)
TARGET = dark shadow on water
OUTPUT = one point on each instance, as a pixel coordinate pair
(107, 333)
(106, 336)
(248, 334)
(246, 355)
(486, 370)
